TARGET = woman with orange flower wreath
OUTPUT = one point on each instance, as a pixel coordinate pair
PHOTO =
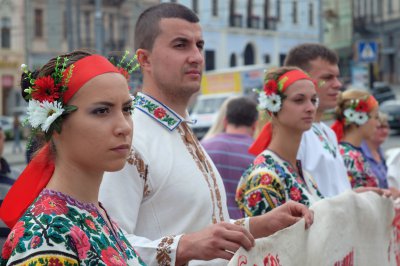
(276, 176)
(357, 119)
(81, 103)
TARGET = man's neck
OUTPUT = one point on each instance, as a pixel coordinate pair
(239, 130)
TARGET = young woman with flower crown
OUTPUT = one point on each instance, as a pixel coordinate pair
(356, 120)
(81, 103)
(290, 98)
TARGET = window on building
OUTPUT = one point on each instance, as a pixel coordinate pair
(294, 12)
(38, 23)
(111, 29)
(267, 59)
(232, 60)
(310, 14)
(5, 32)
(266, 14)
(195, 6)
(215, 8)
(210, 59)
(249, 13)
(278, 10)
(390, 6)
(249, 55)
(86, 18)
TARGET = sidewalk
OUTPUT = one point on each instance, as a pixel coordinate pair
(15, 159)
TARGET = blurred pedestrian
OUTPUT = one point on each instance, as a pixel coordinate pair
(16, 148)
(229, 149)
(373, 153)
(276, 176)
(356, 120)
(319, 152)
(170, 196)
(80, 102)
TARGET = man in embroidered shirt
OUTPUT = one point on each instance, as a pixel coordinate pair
(318, 150)
(229, 149)
(169, 198)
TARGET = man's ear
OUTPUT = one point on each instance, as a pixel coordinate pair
(143, 57)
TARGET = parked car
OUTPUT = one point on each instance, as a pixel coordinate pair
(205, 112)
(382, 92)
(392, 109)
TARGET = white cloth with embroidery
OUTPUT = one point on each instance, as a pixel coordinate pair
(319, 155)
(171, 199)
(350, 229)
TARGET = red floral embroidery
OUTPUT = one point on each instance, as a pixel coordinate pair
(35, 241)
(90, 224)
(266, 179)
(13, 239)
(111, 257)
(295, 194)
(54, 262)
(271, 260)
(50, 205)
(44, 89)
(7, 249)
(254, 198)
(160, 112)
(81, 241)
(259, 160)
(271, 87)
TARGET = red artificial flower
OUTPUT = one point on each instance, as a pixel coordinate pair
(160, 112)
(295, 194)
(124, 72)
(44, 89)
(111, 257)
(270, 87)
(254, 198)
(50, 205)
(362, 106)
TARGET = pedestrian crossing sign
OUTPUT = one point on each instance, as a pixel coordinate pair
(367, 51)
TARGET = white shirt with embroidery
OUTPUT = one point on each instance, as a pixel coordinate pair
(161, 193)
(319, 154)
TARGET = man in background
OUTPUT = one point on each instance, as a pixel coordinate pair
(229, 149)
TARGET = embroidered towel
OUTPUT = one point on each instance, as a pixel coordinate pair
(350, 229)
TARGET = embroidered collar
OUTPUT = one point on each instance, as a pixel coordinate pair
(158, 111)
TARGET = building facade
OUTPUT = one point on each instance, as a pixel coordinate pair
(247, 32)
(51, 27)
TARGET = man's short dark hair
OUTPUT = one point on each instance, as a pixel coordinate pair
(242, 111)
(147, 26)
(301, 55)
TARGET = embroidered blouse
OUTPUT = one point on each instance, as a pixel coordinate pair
(358, 169)
(271, 181)
(58, 230)
(168, 187)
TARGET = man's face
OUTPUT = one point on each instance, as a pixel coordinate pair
(176, 60)
(327, 77)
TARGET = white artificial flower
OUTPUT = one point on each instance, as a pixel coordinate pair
(349, 114)
(273, 103)
(361, 118)
(24, 67)
(33, 112)
(52, 110)
(262, 100)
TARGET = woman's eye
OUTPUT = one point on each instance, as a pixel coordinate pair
(101, 111)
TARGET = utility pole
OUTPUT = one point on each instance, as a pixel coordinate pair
(70, 33)
(99, 26)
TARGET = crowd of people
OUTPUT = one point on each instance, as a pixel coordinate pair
(126, 182)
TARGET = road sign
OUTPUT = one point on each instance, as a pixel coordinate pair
(367, 51)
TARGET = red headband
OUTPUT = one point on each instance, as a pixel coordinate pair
(39, 171)
(265, 136)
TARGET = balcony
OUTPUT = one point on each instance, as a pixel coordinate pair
(270, 23)
(236, 20)
(253, 22)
